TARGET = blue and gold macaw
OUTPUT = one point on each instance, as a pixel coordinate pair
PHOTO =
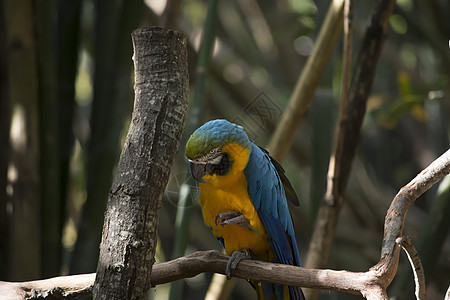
(243, 191)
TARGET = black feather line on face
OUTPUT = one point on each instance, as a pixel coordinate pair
(215, 162)
(223, 167)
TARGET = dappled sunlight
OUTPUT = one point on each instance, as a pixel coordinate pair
(18, 133)
(276, 68)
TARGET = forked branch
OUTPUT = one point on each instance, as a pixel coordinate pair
(416, 265)
(371, 284)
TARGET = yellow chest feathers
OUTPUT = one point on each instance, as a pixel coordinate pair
(229, 193)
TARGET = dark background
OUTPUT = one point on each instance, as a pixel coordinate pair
(66, 96)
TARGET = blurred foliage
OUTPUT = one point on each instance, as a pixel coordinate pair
(258, 54)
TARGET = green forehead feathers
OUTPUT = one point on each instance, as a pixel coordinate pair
(215, 134)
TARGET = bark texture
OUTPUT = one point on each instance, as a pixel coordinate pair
(131, 220)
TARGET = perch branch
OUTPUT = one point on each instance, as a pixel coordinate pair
(416, 265)
(371, 284)
(214, 261)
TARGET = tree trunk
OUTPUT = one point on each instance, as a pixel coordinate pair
(131, 220)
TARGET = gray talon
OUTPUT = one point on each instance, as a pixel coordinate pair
(226, 215)
(233, 217)
(235, 258)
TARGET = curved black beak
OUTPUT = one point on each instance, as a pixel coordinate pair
(198, 170)
(206, 164)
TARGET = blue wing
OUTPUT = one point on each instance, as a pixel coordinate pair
(269, 198)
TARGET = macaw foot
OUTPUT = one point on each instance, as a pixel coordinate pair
(233, 217)
(235, 258)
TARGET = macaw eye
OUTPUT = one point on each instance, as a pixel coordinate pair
(214, 152)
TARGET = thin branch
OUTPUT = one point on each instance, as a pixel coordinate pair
(416, 265)
(259, 28)
(321, 243)
(396, 213)
(395, 216)
(306, 85)
(349, 127)
(347, 50)
(432, 236)
(333, 191)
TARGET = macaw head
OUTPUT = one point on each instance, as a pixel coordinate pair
(213, 148)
